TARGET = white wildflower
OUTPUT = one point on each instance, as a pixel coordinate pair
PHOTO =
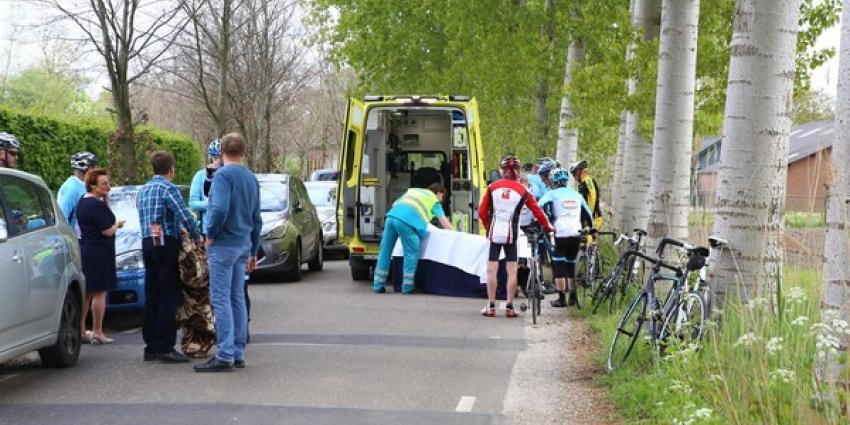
(715, 378)
(680, 387)
(688, 421)
(840, 326)
(746, 339)
(795, 295)
(703, 413)
(774, 345)
(800, 321)
(784, 376)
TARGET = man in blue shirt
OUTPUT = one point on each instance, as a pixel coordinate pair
(162, 217)
(233, 239)
(74, 187)
(198, 199)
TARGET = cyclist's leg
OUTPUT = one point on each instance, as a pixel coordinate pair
(511, 267)
(559, 271)
(570, 247)
(492, 278)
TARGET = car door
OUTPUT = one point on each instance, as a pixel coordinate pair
(312, 227)
(41, 245)
(297, 213)
(13, 285)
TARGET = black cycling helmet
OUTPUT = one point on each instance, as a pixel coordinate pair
(578, 166)
(8, 142)
(83, 160)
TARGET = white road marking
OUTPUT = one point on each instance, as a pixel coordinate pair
(7, 377)
(465, 404)
(495, 337)
(131, 331)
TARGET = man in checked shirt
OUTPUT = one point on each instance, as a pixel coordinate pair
(162, 216)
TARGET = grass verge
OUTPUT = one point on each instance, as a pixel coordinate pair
(759, 369)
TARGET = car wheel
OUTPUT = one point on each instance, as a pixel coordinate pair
(296, 263)
(359, 270)
(66, 350)
(318, 261)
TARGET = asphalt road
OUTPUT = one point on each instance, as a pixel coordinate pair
(324, 351)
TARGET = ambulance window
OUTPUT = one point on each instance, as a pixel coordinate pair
(349, 154)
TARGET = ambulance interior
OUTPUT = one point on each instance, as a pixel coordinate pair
(414, 147)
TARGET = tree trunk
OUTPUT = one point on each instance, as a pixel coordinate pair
(617, 178)
(221, 116)
(637, 159)
(674, 121)
(567, 148)
(836, 274)
(541, 95)
(750, 202)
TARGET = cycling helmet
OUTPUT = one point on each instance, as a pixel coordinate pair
(214, 148)
(8, 141)
(578, 166)
(510, 166)
(545, 165)
(560, 176)
(83, 160)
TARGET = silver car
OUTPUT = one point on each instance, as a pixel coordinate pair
(42, 283)
(323, 196)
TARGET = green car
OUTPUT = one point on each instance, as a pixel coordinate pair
(292, 232)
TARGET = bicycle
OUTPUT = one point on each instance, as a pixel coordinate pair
(682, 312)
(533, 287)
(614, 286)
(589, 265)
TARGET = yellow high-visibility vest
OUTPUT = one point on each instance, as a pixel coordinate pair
(422, 200)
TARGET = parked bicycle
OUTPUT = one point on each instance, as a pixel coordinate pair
(682, 313)
(613, 288)
(589, 265)
(534, 284)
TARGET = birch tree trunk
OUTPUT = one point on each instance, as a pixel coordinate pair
(617, 179)
(750, 202)
(674, 121)
(567, 147)
(836, 274)
(541, 93)
(637, 159)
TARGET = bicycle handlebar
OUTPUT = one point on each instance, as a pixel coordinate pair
(656, 261)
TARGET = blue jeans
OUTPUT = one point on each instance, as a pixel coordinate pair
(396, 229)
(227, 294)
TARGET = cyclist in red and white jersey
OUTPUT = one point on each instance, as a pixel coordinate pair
(500, 211)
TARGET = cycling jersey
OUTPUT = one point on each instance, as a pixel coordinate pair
(590, 191)
(501, 207)
(568, 210)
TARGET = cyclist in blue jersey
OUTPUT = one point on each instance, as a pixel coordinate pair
(569, 214)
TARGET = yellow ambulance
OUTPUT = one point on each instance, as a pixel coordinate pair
(392, 143)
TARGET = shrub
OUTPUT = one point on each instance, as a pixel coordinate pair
(48, 143)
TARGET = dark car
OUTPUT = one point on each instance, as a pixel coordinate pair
(292, 232)
(129, 294)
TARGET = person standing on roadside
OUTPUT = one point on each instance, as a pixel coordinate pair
(162, 218)
(233, 239)
(74, 187)
(198, 199)
(10, 150)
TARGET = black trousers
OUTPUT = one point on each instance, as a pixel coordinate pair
(162, 295)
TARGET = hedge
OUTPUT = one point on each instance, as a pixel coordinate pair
(47, 144)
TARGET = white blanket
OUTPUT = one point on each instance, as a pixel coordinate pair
(463, 251)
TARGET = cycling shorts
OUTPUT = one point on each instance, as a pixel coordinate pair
(510, 251)
(566, 253)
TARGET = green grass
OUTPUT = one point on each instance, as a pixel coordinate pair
(794, 220)
(730, 380)
(700, 218)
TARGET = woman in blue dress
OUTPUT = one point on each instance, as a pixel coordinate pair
(97, 248)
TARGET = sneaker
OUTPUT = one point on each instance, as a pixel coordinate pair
(214, 365)
(378, 289)
(86, 338)
(573, 299)
(559, 303)
(488, 311)
(548, 288)
(407, 289)
(510, 312)
(174, 357)
(239, 364)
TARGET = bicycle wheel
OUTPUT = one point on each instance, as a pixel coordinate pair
(534, 291)
(603, 293)
(582, 275)
(684, 323)
(629, 279)
(628, 331)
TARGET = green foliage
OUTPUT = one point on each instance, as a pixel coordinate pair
(44, 90)
(804, 220)
(759, 369)
(48, 143)
(813, 106)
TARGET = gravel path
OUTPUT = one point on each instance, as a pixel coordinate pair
(552, 381)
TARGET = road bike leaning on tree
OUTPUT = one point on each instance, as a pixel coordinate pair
(682, 314)
(613, 288)
(589, 265)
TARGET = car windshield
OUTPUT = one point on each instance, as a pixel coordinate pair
(322, 196)
(273, 196)
(123, 205)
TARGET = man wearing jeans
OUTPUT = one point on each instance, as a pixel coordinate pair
(162, 216)
(233, 239)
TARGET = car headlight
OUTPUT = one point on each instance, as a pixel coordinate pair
(276, 232)
(130, 260)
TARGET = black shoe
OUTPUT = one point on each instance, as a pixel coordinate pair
(214, 365)
(573, 300)
(548, 288)
(174, 357)
(558, 303)
(239, 364)
(150, 357)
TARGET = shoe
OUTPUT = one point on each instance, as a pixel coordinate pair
(558, 303)
(573, 300)
(101, 339)
(86, 337)
(548, 288)
(150, 357)
(239, 364)
(510, 312)
(214, 365)
(174, 357)
(379, 289)
(488, 311)
(407, 289)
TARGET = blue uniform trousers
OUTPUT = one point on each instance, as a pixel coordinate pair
(410, 240)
